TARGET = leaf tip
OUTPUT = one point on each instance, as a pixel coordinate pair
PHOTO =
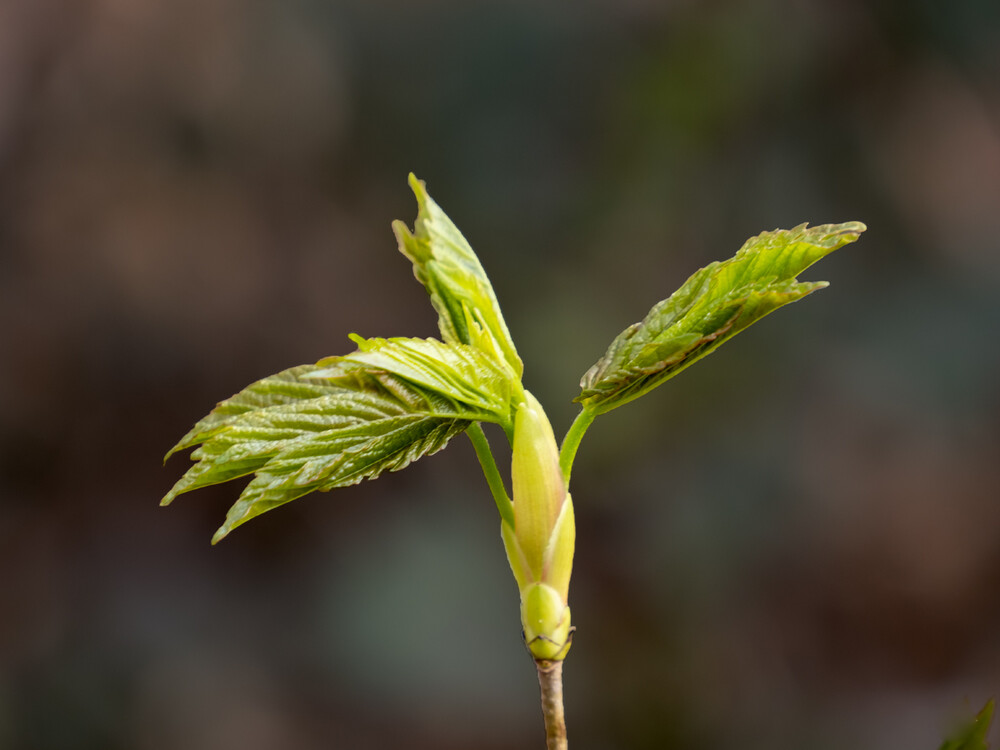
(178, 489)
(220, 534)
(419, 188)
(401, 231)
(986, 715)
(853, 227)
(847, 232)
(176, 449)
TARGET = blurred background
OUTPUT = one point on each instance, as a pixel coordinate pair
(795, 544)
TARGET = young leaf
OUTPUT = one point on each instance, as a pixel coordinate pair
(443, 261)
(286, 387)
(973, 736)
(350, 426)
(469, 378)
(711, 307)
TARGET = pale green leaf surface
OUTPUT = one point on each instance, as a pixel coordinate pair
(470, 378)
(286, 387)
(444, 262)
(712, 306)
(348, 426)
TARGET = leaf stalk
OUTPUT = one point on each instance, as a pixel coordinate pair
(491, 472)
(570, 444)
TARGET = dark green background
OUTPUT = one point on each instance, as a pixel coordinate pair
(796, 544)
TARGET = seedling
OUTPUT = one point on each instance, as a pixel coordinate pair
(391, 401)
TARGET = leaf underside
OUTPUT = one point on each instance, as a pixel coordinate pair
(297, 434)
(473, 380)
(712, 306)
(443, 261)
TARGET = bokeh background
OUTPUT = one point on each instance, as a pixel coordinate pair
(795, 544)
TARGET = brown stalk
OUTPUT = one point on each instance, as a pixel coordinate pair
(550, 680)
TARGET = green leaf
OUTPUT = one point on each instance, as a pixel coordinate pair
(443, 261)
(286, 387)
(973, 736)
(298, 434)
(473, 381)
(711, 307)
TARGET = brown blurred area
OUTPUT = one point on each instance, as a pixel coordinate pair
(794, 545)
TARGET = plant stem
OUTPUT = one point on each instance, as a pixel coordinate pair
(572, 441)
(492, 473)
(550, 680)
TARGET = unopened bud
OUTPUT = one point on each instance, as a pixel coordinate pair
(537, 481)
(540, 543)
(546, 621)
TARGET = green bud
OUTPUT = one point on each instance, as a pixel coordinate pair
(540, 543)
(515, 556)
(558, 561)
(546, 620)
(537, 481)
